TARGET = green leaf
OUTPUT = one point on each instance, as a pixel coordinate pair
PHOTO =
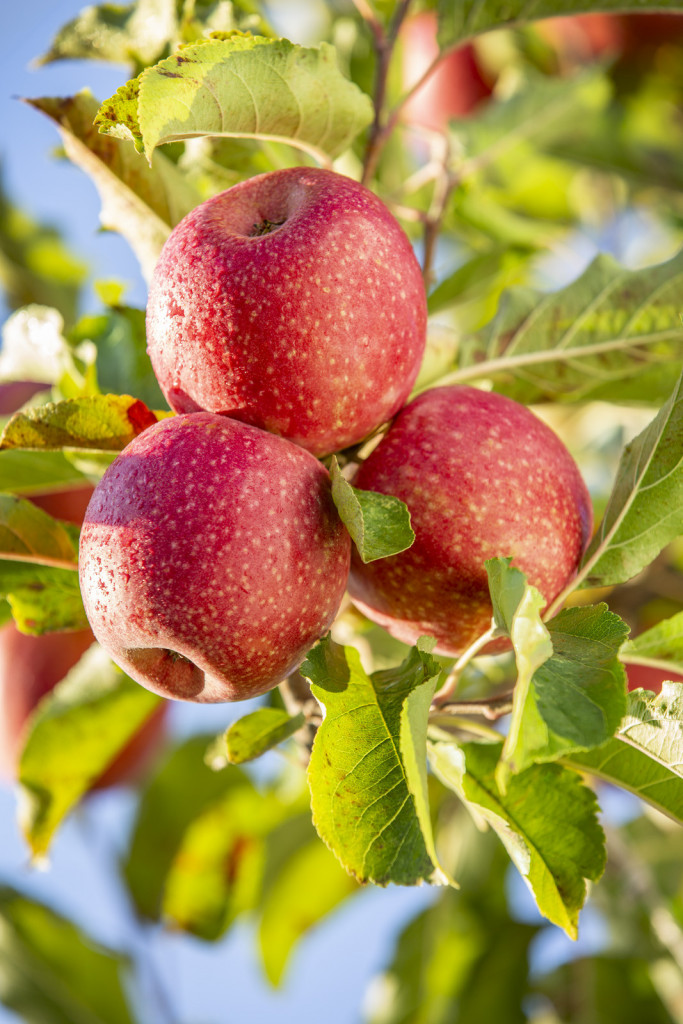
(367, 773)
(537, 110)
(477, 276)
(73, 735)
(510, 594)
(309, 885)
(379, 524)
(111, 32)
(42, 599)
(37, 472)
(30, 535)
(580, 692)
(243, 86)
(52, 972)
(547, 821)
(645, 508)
(661, 646)
(182, 789)
(217, 870)
(646, 755)
(462, 19)
(571, 688)
(36, 267)
(621, 987)
(139, 202)
(122, 363)
(139, 33)
(457, 962)
(606, 326)
(107, 422)
(45, 601)
(517, 612)
(251, 736)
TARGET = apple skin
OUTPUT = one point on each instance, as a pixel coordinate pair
(281, 300)
(581, 38)
(482, 478)
(212, 557)
(455, 89)
(16, 393)
(30, 667)
(649, 677)
(68, 504)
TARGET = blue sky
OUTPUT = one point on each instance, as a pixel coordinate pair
(54, 190)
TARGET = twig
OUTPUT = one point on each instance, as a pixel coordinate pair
(381, 132)
(447, 689)
(366, 12)
(384, 43)
(298, 699)
(490, 707)
(444, 183)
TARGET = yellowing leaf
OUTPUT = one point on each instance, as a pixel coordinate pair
(242, 86)
(105, 422)
(141, 203)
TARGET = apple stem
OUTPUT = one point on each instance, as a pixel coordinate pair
(298, 699)
(452, 680)
(444, 184)
(489, 707)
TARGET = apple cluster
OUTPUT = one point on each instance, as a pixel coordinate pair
(287, 321)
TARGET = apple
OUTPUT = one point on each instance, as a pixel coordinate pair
(30, 667)
(212, 557)
(482, 477)
(580, 38)
(455, 89)
(282, 300)
(65, 504)
(584, 37)
(15, 393)
(650, 677)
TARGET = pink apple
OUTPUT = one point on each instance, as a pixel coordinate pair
(15, 393)
(293, 302)
(482, 477)
(212, 557)
(650, 677)
(30, 667)
(455, 89)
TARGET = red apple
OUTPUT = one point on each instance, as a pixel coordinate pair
(647, 31)
(65, 504)
(649, 677)
(585, 37)
(580, 38)
(30, 667)
(212, 558)
(15, 393)
(483, 478)
(292, 302)
(454, 89)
